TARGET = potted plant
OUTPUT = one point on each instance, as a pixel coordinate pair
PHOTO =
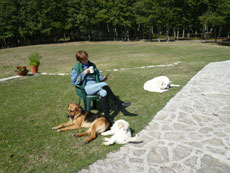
(34, 62)
(21, 70)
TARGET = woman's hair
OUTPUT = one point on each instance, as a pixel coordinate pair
(81, 55)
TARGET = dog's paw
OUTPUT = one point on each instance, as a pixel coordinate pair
(54, 128)
(107, 133)
(59, 130)
(86, 142)
(74, 135)
(106, 139)
(103, 133)
(106, 143)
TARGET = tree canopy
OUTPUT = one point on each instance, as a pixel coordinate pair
(45, 21)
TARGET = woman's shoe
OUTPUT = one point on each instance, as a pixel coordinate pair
(125, 105)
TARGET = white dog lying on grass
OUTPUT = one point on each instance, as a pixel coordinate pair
(121, 133)
(159, 84)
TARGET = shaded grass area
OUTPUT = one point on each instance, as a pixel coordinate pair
(31, 106)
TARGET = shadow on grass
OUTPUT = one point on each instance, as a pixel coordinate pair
(224, 43)
(125, 113)
(114, 110)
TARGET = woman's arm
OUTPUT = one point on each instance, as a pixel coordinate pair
(102, 78)
(77, 78)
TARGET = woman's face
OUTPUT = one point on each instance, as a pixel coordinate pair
(85, 61)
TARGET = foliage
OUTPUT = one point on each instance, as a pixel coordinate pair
(34, 59)
(30, 22)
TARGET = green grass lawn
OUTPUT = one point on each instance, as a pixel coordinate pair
(31, 106)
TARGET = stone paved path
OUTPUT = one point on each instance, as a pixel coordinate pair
(191, 134)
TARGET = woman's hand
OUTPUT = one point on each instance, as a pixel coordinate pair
(105, 78)
(86, 71)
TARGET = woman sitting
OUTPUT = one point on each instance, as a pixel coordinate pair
(94, 83)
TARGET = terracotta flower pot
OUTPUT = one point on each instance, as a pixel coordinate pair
(34, 69)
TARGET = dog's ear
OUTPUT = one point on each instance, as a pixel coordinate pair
(76, 107)
(121, 125)
(82, 110)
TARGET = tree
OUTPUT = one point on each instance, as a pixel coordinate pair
(211, 18)
(8, 21)
(41, 21)
(224, 11)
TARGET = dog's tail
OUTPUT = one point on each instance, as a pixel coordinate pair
(174, 85)
(134, 140)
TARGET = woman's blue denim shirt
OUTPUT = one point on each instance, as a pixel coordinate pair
(78, 78)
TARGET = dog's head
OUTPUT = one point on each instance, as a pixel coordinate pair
(165, 84)
(74, 110)
(122, 124)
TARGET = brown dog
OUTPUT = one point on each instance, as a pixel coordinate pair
(80, 118)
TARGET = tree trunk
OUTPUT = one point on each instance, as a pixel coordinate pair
(167, 33)
(108, 30)
(188, 35)
(123, 36)
(159, 35)
(2, 44)
(174, 33)
(219, 33)
(116, 34)
(215, 34)
(92, 34)
(183, 33)
(127, 35)
(89, 36)
(5, 42)
(178, 32)
(64, 37)
(150, 32)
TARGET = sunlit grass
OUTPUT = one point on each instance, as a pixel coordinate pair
(31, 106)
